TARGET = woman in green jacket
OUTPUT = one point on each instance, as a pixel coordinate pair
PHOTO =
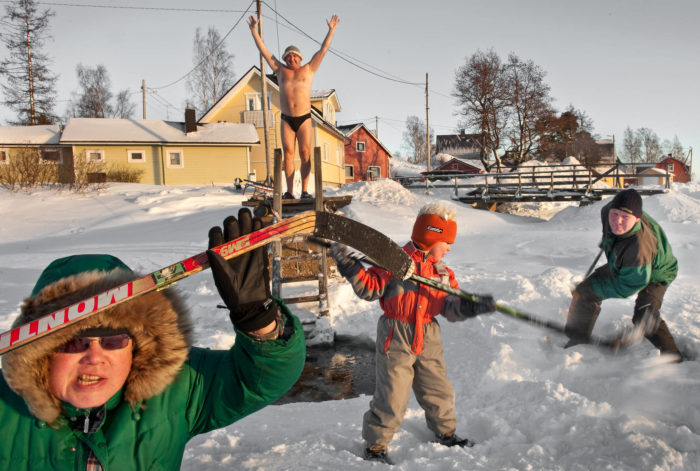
(124, 389)
(640, 261)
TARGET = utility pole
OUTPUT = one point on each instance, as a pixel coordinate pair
(143, 93)
(427, 122)
(427, 131)
(263, 101)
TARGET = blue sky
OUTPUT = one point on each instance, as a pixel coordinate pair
(624, 62)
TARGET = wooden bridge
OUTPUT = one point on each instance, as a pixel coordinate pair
(555, 183)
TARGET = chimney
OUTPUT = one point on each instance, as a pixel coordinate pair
(190, 121)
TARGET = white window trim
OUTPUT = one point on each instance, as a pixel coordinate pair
(51, 149)
(130, 152)
(258, 101)
(339, 150)
(182, 158)
(352, 167)
(326, 157)
(7, 156)
(378, 168)
(96, 151)
(671, 167)
(357, 146)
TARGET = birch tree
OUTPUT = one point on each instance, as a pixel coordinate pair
(213, 73)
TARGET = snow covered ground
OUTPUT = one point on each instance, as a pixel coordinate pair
(528, 403)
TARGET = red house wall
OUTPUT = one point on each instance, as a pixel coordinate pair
(374, 155)
(458, 166)
(680, 171)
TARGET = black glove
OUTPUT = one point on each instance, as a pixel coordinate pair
(484, 304)
(243, 282)
(347, 265)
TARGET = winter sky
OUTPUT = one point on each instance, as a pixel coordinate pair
(624, 62)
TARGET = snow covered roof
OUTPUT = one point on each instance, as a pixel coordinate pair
(316, 94)
(156, 131)
(47, 134)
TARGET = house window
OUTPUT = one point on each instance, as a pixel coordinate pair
(253, 101)
(340, 155)
(175, 159)
(670, 167)
(360, 146)
(137, 155)
(95, 155)
(349, 172)
(4, 156)
(325, 152)
(51, 155)
(374, 172)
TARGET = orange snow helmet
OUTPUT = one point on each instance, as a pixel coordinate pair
(429, 229)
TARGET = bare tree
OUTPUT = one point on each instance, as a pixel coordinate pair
(675, 149)
(94, 95)
(568, 134)
(213, 73)
(124, 107)
(480, 91)
(529, 100)
(414, 139)
(631, 147)
(29, 87)
(651, 148)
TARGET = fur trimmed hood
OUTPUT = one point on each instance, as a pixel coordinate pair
(158, 322)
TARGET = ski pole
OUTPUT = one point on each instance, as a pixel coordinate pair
(590, 269)
(614, 344)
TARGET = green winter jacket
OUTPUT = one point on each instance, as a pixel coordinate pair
(635, 259)
(213, 389)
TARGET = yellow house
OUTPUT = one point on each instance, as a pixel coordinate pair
(42, 141)
(164, 152)
(242, 104)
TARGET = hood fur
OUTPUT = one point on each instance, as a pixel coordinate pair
(158, 322)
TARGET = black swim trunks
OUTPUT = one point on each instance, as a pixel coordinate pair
(295, 121)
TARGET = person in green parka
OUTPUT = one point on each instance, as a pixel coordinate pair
(125, 389)
(640, 261)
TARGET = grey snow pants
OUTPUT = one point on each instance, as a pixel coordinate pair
(398, 370)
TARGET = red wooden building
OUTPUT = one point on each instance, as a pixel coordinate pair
(365, 157)
(456, 165)
(680, 171)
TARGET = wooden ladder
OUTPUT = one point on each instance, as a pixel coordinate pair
(313, 252)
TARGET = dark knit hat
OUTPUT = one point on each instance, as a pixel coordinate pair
(629, 201)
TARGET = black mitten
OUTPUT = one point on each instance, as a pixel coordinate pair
(484, 304)
(243, 282)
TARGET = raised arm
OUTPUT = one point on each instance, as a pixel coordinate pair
(269, 58)
(315, 61)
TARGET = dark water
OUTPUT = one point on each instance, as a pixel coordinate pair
(342, 371)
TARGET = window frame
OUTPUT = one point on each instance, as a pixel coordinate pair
(173, 151)
(257, 101)
(5, 151)
(360, 143)
(130, 159)
(57, 150)
(352, 171)
(369, 172)
(97, 151)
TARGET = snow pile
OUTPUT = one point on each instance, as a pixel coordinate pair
(527, 402)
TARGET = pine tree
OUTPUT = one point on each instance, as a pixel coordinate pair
(29, 85)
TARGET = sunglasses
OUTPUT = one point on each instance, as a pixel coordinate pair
(81, 344)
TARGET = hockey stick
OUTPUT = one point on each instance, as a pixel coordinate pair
(325, 225)
(627, 338)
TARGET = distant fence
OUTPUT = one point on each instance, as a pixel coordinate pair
(554, 183)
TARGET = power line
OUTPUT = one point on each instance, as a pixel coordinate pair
(332, 51)
(205, 58)
(124, 7)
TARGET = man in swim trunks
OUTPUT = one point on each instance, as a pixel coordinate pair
(294, 80)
